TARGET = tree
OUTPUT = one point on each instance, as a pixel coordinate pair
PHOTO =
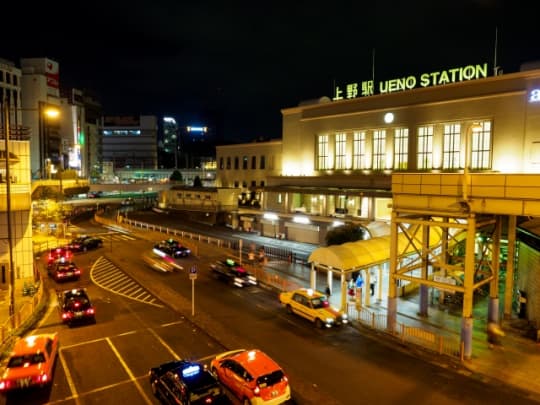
(345, 233)
(176, 176)
(197, 182)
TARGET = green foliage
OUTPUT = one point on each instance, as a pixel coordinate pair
(176, 176)
(197, 182)
(345, 233)
(73, 191)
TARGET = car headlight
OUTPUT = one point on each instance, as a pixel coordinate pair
(344, 316)
(329, 320)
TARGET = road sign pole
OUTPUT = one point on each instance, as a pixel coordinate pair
(193, 277)
(192, 297)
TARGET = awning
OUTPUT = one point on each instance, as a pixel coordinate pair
(352, 256)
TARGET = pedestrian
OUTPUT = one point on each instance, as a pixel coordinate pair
(328, 291)
(493, 333)
(251, 257)
(372, 282)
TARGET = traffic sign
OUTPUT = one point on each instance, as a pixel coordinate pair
(193, 273)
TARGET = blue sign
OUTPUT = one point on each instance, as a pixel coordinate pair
(359, 282)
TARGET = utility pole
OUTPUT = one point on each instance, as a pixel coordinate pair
(8, 211)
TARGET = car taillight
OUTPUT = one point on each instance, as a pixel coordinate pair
(60, 275)
(43, 378)
(3, 385)
(257, 391)
(77, 272)
(66, 315)
(90, 311)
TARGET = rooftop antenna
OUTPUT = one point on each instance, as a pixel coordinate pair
(373, 65)
(496, 68)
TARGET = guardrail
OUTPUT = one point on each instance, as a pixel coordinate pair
(233, 244)
(435, 342)
(9, 328)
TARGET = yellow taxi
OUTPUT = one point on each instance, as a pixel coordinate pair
(31, 362)
(314, 306)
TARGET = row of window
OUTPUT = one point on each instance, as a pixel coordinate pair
(121, 132)
(8, 78)
(248, 162)
(376, 150)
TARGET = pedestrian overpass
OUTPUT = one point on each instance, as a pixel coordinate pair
(431, 212)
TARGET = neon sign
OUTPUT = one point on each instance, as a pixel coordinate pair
(454, 75)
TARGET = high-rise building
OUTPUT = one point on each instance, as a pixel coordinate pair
(130, 141)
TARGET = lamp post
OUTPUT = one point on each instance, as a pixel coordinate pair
(5, 111)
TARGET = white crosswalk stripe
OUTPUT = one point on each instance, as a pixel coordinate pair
(111, 278)
(118, 236)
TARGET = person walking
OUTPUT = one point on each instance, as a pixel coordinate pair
(372, 281)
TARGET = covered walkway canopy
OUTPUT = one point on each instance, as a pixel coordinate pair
(353, 256)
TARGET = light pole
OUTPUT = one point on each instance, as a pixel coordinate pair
(5, 110)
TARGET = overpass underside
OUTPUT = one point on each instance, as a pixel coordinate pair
(469, 212)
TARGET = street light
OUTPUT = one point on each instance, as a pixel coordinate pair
(44, 110)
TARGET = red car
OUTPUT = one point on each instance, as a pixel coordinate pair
(31, 363)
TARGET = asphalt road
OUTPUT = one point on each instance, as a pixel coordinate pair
(107, 363)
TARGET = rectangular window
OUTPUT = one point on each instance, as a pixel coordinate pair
(359, 150)
(228, 162)
(379, 149)
(245, 162)
(341, 145)
(322, 152)
(221, 163)
(254, 162)
(451, 146)
(425, 147)
(481, 147)
(263, 162)
(236, 163)
(401, 148)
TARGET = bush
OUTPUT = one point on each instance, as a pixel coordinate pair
(345, 233)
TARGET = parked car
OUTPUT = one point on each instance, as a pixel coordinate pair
(31, 363)
(85, 243)
(252, 376)
(314, 306)
(75, 307)
(185, 382)
(233, 272)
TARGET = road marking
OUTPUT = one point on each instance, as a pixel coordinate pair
(69, 379)
(129, 373)
(165, 345)
(110, 277)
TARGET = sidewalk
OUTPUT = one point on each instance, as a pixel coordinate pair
(515, 362)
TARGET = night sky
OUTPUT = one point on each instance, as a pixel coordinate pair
(233, 65)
